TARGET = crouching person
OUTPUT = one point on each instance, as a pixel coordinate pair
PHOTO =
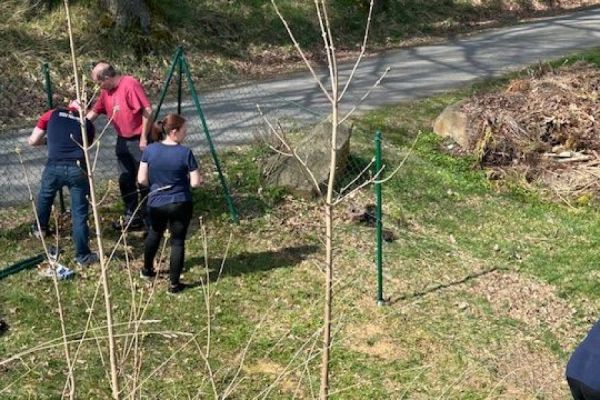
(583, 369)
(65, 167)
(170, 169)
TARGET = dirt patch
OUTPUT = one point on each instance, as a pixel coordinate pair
(268, 367)
(371, 340)
(524, 370)
(528, 301)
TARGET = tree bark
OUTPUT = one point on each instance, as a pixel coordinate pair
(129, 13)
(38, 7)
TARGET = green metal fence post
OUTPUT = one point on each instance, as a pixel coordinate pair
(48, 86)
(50, 103)
(163, 93)
(179, 86)
(213, 152)
(378, 219)
(22, 265)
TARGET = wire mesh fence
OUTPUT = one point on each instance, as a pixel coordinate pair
(236, 116)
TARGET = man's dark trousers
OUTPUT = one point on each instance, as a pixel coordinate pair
(129, 156)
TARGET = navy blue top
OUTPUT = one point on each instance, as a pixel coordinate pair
(62, 132)
(584, 364)
(168, 173)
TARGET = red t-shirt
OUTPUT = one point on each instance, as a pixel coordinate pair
(129, 100)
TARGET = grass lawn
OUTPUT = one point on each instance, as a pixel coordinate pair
(489, 285)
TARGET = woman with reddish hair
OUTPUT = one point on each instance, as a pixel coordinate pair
(169, 169)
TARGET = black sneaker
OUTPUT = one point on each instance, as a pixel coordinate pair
(178, 288)
(135, 224)
(3, 327)
(147, 275)
(35, 232)
(88, 260)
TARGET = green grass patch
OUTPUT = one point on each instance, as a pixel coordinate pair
(483, 280)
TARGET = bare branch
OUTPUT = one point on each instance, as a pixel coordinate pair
(359, 187)
(103, 270)
(356, 178)
(6, 388)
(412, 147)
(53, 343)
(342, 198)
(225, 255)
(97, 142)
(333, 61)
(327, 45)
(377, 83)
(292, 151)
(209, 368)
(299, 49)
(151, 374)
(231, 386)
(362, 52)
(108, 190)
(54, 277)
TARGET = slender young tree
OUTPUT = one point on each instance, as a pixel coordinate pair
(334, 95)
(94, 205)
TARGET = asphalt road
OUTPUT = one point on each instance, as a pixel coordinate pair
(296, 99)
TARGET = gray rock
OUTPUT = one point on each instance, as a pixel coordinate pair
(315, 150)
(455, 124)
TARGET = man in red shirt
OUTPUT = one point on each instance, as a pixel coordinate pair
(123, 99)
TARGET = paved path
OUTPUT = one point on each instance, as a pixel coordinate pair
(415, 72)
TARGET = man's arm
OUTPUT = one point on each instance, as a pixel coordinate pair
(37, 137)
(92, 115)
(146, 123)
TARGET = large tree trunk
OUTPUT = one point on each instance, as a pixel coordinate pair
(129, 13)
(37, 7)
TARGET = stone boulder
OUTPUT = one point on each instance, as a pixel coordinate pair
(315, 150)
(455, 124)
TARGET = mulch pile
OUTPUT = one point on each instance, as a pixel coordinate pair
(547, 125)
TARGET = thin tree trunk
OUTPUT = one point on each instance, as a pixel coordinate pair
(324, 391)
(103, 268)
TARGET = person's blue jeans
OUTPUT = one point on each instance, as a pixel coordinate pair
(72, 176)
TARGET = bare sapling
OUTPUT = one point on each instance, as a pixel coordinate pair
(114, 379)
(52, 269)
(334, 95)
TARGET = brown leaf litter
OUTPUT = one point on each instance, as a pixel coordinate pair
(525, 366)
(547, 125)
(529, 301)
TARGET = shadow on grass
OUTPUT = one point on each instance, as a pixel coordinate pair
(441, 286)
(252, 262)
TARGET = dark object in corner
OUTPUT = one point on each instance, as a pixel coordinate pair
(366, 216)
(3, 327)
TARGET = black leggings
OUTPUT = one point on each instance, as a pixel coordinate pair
(582, 392)
(177, 216)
